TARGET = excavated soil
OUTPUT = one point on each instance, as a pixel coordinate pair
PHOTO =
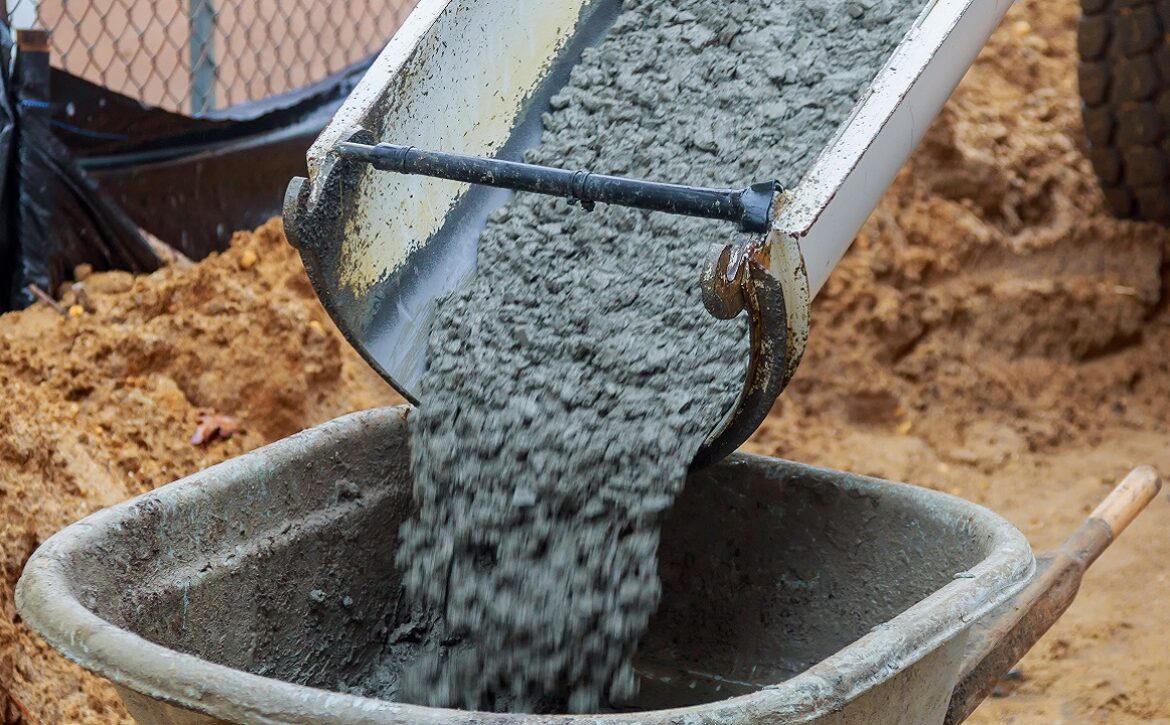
(992, 333)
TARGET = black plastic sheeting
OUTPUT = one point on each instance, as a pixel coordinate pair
(192, 181)
(52, 215)
(83, 167)
(9, 250)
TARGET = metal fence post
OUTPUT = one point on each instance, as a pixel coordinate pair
(32, 221)
(201, 16)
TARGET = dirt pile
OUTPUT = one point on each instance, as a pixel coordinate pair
(104, 402)
(990, 296)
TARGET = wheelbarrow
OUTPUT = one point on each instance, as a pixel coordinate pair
(263, 590)
(404, 178)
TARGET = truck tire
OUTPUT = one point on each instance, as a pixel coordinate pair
(1124, 76)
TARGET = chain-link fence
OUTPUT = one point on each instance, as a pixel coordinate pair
(193, 56)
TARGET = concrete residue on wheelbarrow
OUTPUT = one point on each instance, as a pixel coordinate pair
(573, 380)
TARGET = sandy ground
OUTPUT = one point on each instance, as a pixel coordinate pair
(992, 333)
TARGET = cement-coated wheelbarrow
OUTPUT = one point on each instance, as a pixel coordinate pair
(264, 590)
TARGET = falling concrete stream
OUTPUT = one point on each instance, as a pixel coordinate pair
(572, 381)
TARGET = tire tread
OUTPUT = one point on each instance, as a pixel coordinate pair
(1124, 76)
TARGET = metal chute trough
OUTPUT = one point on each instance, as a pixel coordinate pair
(383, 249)
(264, 589)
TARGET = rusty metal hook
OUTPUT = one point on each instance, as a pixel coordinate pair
(734, 279)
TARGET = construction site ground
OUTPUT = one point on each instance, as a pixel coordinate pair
(992, 333)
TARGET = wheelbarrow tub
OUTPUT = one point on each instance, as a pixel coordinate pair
(264, 590)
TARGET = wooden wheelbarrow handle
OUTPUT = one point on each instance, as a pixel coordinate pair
(1005, 635)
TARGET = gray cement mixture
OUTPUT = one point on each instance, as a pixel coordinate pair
(573, 380)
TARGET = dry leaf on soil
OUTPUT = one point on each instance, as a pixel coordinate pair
(213, 427)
